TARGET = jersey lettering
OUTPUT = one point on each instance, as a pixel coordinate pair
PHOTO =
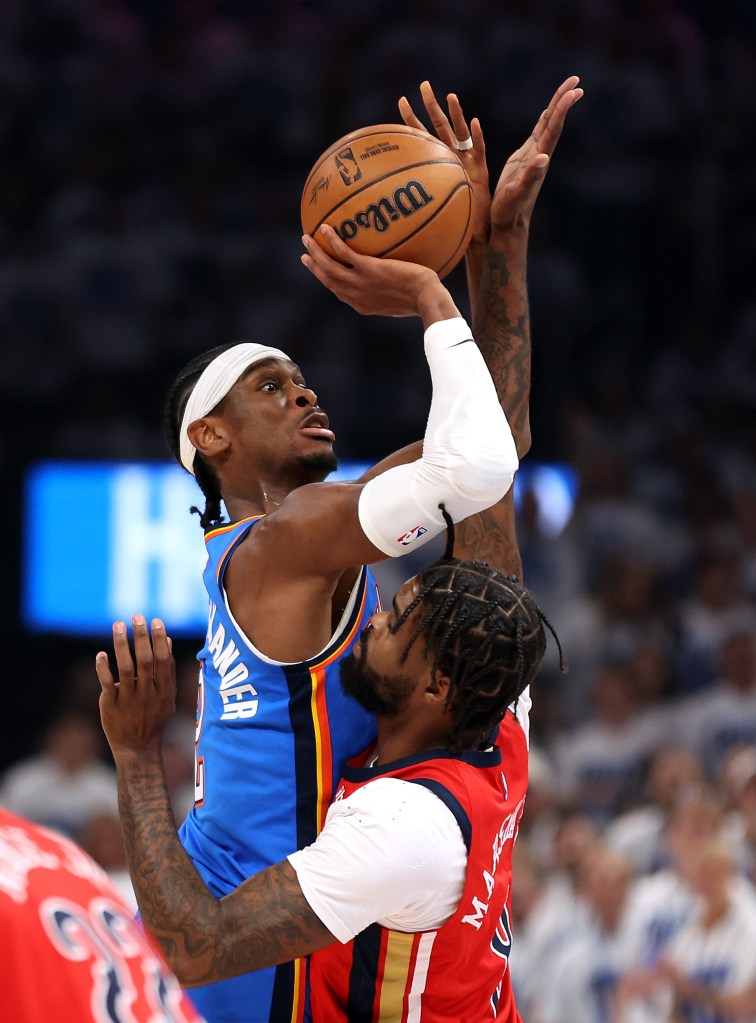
(104, 933)
(479, 911)
(501, 943)
(75, 933)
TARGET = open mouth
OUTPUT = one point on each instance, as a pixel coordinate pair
(316, 425)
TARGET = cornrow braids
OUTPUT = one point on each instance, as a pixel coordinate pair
(486, 634)
(178, 395)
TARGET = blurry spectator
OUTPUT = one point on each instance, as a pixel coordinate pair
(739, 780)
(541, 817)
(66, 782)
(664, 902)
(674, 777)
(588, 967)
(725, 715)
(713, 954)
(550, 908)
(717, 608)
(626, 612)
(602, 763)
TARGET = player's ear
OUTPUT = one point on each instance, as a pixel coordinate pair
(209, 436)
(437, 688)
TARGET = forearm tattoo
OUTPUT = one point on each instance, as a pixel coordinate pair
(265, 921)
(502, 331)
(490, 536)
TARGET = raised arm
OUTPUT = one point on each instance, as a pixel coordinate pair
(468, 458)
(265, 921)
(501, 323)
(501, 319)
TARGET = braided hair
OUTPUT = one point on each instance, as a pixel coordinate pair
(178, 395)
(485, 632)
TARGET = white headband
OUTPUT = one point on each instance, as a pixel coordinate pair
(216, 381)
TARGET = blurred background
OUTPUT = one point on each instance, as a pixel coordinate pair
(153, 155)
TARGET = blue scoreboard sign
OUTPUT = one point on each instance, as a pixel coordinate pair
(103, 541)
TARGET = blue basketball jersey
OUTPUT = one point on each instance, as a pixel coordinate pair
(271, 741)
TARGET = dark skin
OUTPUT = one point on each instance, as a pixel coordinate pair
(309, 547)
(267, 919)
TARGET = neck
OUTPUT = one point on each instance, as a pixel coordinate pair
(396, 744)
(264, 494)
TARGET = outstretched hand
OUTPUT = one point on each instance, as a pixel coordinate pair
(525, 170)
(376, 287)
(450, 132)
(135, 709)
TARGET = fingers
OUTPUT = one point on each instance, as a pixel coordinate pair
(439, 120)
(461, 130)
(328, 270)
(142, 651)
(409, 116)
(476, 133)
(123, 658)
(164, 671)
(153, 656)
(549, 127)
(105, 675)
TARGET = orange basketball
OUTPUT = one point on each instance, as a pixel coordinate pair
(390, 190)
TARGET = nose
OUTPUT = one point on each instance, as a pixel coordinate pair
(378, 621)
(305, 397)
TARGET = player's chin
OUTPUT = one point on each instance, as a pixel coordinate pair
(322, 458)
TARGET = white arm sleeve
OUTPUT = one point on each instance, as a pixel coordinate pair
(469, 456)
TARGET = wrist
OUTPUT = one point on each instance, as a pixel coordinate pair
(510, 232)
(434, 303)
(131, 760)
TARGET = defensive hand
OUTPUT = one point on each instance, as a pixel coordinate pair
(135, 709)
(525, 170)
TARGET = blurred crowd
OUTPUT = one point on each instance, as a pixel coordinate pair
(153, 157)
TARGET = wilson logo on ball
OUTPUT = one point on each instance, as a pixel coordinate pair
(378, 216)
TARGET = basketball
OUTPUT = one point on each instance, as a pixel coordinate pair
(390, 190)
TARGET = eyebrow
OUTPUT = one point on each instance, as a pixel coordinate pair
(273, 363)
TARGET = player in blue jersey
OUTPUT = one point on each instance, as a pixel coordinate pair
(288, 587)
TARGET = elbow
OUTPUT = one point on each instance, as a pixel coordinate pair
(183, 964)
(489, 474)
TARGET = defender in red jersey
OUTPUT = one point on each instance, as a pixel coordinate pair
(459, 970)
(69, 946)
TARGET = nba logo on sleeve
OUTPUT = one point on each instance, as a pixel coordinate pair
(413, 534)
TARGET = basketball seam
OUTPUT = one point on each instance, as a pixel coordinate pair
(421, 227)
(441, 269)
(391, 173)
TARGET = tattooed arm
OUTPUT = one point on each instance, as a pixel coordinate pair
(501, 324)
(267, 920)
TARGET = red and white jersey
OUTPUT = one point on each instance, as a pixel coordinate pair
(68, 943)
(458, 971)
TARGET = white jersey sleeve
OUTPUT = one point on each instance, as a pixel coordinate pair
(391, 853)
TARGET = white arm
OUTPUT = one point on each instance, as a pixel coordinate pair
(469, 456)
